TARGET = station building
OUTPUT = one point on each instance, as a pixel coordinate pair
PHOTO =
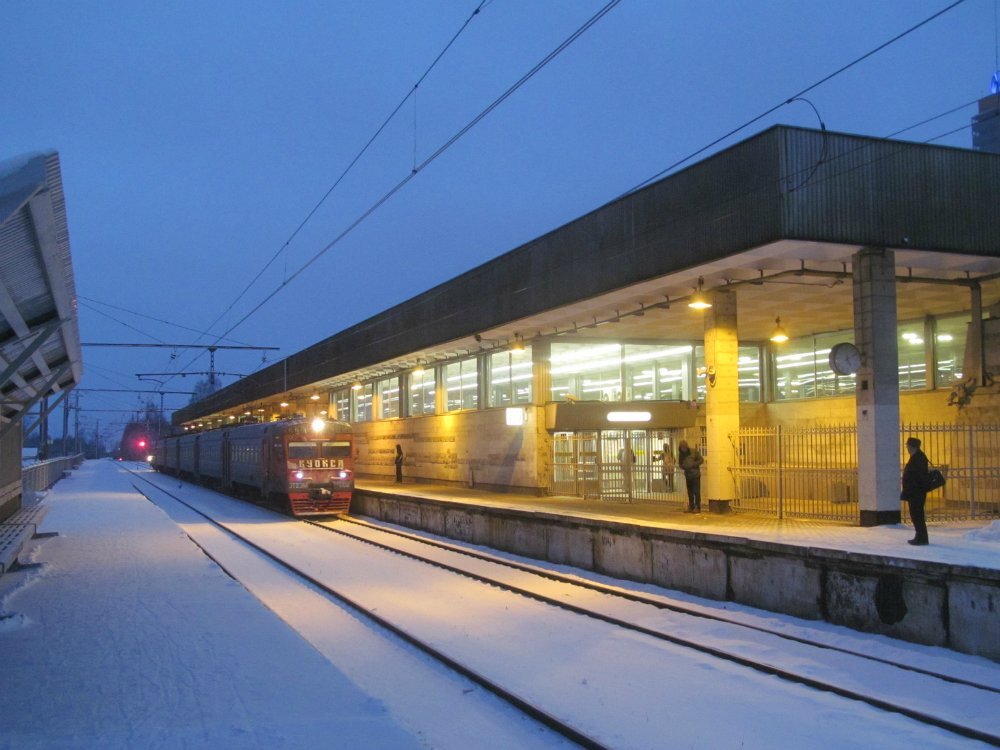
(576, 363)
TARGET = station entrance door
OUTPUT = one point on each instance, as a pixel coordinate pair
(622, 465)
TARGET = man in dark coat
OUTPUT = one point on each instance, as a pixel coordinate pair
(915, 481)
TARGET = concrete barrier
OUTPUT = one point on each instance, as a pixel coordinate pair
(924, 602)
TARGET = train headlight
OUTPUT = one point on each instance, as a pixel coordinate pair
(149, 459)
(318, 425)
(343, 474)
(299, 475)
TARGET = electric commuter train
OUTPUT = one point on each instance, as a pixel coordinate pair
(303, 466)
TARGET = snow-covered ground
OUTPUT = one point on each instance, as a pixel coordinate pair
(128, 636)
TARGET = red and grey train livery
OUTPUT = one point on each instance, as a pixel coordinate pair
(305, 466)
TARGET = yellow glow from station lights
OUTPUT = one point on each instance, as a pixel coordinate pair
(698, 302)
(284, 404)
(315, 397)
(357, 387)
(247, 413)
(418, 370)
(629, 416)
(318, 424)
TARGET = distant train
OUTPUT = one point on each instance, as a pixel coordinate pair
(136, 444)
(303, 466)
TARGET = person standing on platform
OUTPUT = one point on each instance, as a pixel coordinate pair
(690, 461)
(399, 464)
(915, 483)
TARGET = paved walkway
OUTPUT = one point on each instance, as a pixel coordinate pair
(957, 543)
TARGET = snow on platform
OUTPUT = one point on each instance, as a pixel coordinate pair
(967, 543)
(126, 635)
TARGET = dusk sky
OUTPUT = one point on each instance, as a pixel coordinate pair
(195, 137)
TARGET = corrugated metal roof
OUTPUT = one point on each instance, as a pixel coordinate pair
(817, 194)
(40, 351)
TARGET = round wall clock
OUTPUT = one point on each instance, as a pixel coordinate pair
(845, 359)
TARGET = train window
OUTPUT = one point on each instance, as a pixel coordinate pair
(337, 449)
(302, 450)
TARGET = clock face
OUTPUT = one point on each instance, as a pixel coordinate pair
(845, 359)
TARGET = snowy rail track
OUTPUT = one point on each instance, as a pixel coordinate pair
(500, 623)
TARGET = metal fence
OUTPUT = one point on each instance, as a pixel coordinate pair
(969, 457)
(812, 472)
(797, 472)
(39, 477)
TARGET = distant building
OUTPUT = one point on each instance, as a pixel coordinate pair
(986, 125)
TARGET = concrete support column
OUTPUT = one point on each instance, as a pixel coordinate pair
(722, 403)
(541, 393)
(877, 385)
(541, 372)
(972, 365)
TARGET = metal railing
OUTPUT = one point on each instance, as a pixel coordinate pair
(39, 477)
(797, 472)
(812, 472)
(969, 457)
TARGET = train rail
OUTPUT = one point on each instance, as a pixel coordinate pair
(657, 602)
(795, 659)
(984, 734)
(558, 726)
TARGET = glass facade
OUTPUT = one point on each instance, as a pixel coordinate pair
(388, 398)
(422, 390)
(510, 377)
(342, 404)
(666, 371)
(362, 398)
(802, 367)
(949, 349)
(461, 381)
(656, 372)
(587, 372)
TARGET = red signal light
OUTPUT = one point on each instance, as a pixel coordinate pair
(141, 443)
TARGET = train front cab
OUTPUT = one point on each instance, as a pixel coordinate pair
(318, 461)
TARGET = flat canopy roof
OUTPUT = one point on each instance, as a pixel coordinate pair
(39, 335)
(777, 218)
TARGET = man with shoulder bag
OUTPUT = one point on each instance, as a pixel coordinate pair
(916, 484)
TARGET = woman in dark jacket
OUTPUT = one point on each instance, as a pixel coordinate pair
(915, 481)
(690, 462)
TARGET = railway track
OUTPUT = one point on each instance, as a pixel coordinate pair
(793, 659)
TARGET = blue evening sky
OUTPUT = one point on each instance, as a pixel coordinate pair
(196, 136)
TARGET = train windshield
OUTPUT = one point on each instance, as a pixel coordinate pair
(336, 449)
(303, 450)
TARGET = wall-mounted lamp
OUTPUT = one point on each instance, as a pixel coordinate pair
(518, 345)
(284, 404)
(314, 397)
(516, 416)
(698, 300)
(356, 387)
(780, 335)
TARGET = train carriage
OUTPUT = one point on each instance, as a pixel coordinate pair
(305, 466)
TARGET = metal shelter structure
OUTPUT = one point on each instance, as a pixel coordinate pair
(40, 356)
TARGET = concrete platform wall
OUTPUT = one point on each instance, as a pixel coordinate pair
(923, 602)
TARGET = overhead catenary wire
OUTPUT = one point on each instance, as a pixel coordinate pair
(147, 317)
(411, 93)
(350, 166)
(790, 99)
(607, 8)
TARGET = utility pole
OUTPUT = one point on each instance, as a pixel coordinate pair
(77, 430)
(65, 432)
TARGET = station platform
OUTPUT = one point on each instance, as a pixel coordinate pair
(117, 632)
(866, 578)
(964, 543)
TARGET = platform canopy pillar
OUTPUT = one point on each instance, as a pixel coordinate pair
(877, 385)
(722, 402)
